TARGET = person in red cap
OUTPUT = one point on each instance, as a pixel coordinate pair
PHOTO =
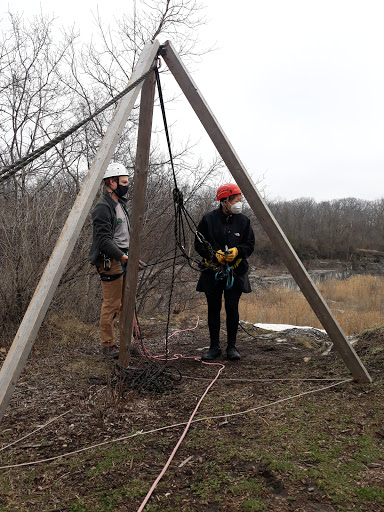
(225, 240)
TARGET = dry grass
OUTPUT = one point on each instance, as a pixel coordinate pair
(357, 303)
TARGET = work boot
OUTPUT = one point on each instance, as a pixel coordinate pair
(232, 353)
(213, 353)
(111, 352)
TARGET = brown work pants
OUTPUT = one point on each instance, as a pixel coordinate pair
(112, 306)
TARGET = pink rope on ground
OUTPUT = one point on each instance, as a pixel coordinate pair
(162, 357)
(149, 494)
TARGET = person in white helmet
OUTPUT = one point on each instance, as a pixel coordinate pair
(109, 251)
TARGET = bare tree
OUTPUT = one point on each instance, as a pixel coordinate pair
(46, 86)
(35, 103)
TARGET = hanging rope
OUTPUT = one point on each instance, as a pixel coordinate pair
(179, 210)
(175, 189)
(8, 171)
(181, 213)
(154, 377)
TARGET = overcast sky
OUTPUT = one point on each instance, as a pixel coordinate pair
(297, 85)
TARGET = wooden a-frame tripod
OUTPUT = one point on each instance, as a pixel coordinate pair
(28, 329)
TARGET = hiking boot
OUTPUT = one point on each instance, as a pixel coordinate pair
(213, 353)
(232, 353)
(112, 352)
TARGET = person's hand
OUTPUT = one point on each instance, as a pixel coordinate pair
(124, 259)
(231, 254)
(220, 257)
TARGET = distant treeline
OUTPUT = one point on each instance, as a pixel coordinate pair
(32, 217)
(326, 229)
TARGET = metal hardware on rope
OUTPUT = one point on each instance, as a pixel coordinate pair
(9, 170)
(178, 196)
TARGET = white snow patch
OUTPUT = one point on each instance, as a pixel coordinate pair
(285, 327)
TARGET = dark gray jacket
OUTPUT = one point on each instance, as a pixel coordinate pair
(104, 224)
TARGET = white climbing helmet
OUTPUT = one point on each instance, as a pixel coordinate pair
(115, 169)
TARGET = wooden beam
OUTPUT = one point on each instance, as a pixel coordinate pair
(137, 215)
(263, 214)
(25, 337)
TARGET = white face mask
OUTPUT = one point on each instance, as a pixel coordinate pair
(236, 208)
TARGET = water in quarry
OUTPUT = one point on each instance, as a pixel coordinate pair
(287, 280)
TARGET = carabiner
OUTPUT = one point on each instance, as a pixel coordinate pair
(107, 264)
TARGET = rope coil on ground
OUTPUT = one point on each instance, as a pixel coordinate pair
(150, 378)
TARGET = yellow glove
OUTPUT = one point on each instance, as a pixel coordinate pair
(220, 257)
(231, 254)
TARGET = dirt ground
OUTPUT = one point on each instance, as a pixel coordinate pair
(281, 430)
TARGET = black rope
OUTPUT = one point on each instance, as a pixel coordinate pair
(156, 377)
(249, 334)
(149, 378)
(152, 377)
(179, 210)
(160, 92)
(175, 191)
(170, 302)
(178, 199)
(8, 171)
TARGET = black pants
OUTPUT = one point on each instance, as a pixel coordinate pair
(231, 301)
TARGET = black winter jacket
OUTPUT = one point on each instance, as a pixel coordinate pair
(222, 230)
(104, 224)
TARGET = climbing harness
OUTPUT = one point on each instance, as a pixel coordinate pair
(106, 266)
(225, 274)
(108, 278)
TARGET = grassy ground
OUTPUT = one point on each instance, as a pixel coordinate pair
(300, 447)
(356, 302)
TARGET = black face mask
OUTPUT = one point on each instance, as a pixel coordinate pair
(121, 190)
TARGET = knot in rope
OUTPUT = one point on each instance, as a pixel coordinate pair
(178, 197)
